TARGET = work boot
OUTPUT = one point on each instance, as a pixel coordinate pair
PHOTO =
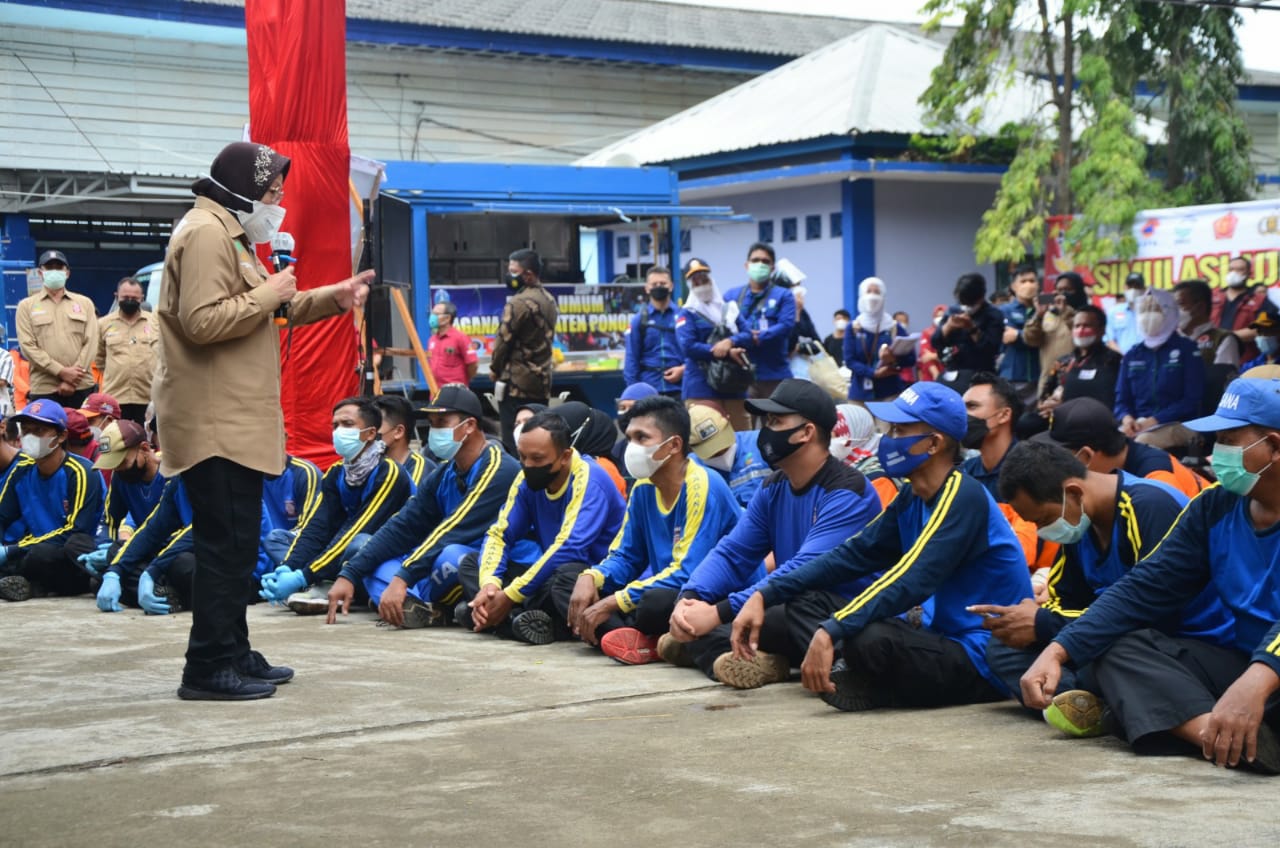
(534, 626)
(674, 651)
(855, 691)
(422, 614)
(15, 588)
(762, 669)
(462, 615)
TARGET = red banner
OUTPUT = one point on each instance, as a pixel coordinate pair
(298, 105)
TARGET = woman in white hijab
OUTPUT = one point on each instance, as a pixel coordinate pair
(1162, 379)
(854, 441)
(705, 309)
(877, 373)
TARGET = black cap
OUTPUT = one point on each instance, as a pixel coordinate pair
(799, 397)
(1135, 280)
(455, 399)
(53, 256)
(1077, 423)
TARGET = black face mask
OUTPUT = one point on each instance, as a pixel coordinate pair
(975, 434)
(134, 474)
(660, 292)
(539, 477)
(515, 282)
(129, 306)
(775, 445)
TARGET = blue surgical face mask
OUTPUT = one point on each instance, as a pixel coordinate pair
(1268, 345)
(434, 322)
(440, 441)
(758, 272)
(1228, 464)
(895, 458)
(1062, 531)
(347, 442)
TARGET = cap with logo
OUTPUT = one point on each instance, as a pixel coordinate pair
(455, 399)
(115, 442)
(939, 406)
(1267, 319)
(53, 256)
(1078, 423)
(77, 425)
(44, 412)
(693, 266)
(709, 431)
(100, 403)
(803, 398)
(1246, 401)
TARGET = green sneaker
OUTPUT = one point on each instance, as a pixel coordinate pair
(1078, 713)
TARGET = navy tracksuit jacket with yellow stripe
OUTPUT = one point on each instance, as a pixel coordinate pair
(344, 513)
(957, 548)
(68, 501)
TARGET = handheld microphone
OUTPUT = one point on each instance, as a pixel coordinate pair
(281, 258)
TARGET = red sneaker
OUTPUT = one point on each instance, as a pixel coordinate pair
(630, 646)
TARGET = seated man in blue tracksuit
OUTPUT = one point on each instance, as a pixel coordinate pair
(653, 355)
(136, 481)
(562, 501)
(766, 315)
(410, 566)
(677, 512)
(943, 538)
(58, 497)
(1105, 524)
(358, 494)
(811, 503)
(287, 499)
(735, 457)
(1177, 694)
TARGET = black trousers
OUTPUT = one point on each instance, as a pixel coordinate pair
(652, 616)
(226, 513)
(918, 668)
(507, 409)
(1154, 682)
(469, 577)
(72, 401)
(1009, 664)
(788, 629)
(135, 412)
(52, 566)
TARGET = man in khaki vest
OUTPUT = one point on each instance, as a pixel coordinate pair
(127, 351)
(58, 333)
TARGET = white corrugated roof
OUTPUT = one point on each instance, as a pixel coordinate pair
(870, 81)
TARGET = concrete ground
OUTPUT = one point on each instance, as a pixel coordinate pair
(447, 738)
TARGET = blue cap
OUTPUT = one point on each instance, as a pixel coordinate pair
(636, 391)
(939, 406)
(1247, 400)
(46, 412)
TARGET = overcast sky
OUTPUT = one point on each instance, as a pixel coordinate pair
(1259, 35)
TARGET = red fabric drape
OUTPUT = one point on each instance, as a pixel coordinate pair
(298, 105)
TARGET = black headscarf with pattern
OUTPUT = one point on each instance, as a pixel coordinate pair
(245, 168)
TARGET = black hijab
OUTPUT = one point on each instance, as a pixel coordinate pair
(245, 168)
(591, 430)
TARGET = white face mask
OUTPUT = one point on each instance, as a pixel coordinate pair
(640, 462)
(705, 293)
(37, 447)
(871, 304)
(1084, 339)
(841, 447)
(263, 222)
(1151, 323)
(1235, 279)
(517, 430)
(54, 279)
(724, 462)
(841, 324)
(1184, 318)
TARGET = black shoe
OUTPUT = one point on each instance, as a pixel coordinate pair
(855, 691)
(422, 614)
(1266, 759)
(533, 626)
(224, 685)
(253, 666)
(462, 616)
(15, 587)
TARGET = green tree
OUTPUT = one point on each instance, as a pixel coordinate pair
(1083, 154)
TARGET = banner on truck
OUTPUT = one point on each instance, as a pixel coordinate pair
(1184, 243)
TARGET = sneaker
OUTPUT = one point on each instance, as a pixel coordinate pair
(1266, 759)
(855, 691)
(15, 587)
(254, 666)
(763, 669)
(674, 651)
(533, 626)
(307, 603)
(1078, 713)
(224, 685)
(462, 616)
(422, 614)
(629, 646)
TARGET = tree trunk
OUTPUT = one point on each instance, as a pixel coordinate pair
(1062, 202)
(1173, 174)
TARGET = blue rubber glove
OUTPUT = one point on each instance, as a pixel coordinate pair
(109, 594)
(4, 553)
(147, 598)
(277, 586)
(95, 562)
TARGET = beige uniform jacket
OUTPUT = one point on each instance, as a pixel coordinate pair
(127, 356)
(56, 335)
(217, 391)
